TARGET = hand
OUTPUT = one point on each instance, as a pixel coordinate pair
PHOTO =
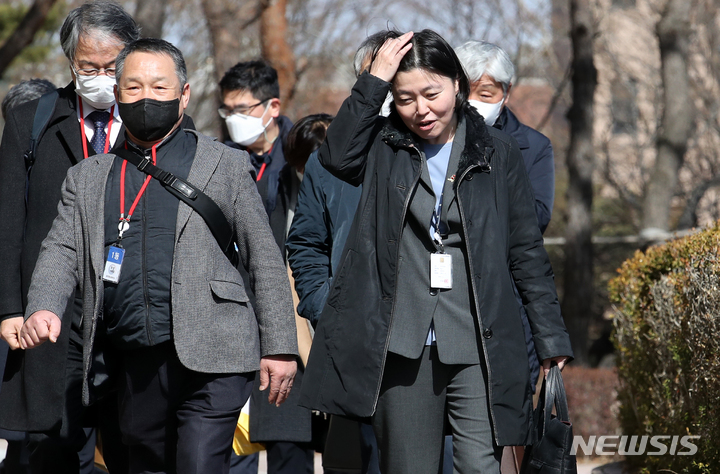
(561, 360)
(388, 57)
(278, 372)
(10, 331)
(39, 327)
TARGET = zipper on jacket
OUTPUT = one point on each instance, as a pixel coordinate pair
(477, 303)
(148, 330)
(397, 262)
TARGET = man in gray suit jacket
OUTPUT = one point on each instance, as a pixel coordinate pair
(178, 315)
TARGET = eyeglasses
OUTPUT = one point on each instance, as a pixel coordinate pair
(92, 72)
(226, 112)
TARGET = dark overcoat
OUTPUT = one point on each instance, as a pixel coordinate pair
(537, 153)
(33, 389)
(503, 243)
(288, 422)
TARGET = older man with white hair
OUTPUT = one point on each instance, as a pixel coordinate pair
(491, 73)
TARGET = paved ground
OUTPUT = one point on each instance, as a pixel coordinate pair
(583, 467)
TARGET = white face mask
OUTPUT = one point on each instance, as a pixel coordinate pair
(490, 112)
(245, 129)
(97, 91)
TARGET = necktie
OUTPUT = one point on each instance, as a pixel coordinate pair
(99, 120)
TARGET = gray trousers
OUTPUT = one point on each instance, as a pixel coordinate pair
(415, 396)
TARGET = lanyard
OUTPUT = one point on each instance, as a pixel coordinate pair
(264, 165)
(124, 223)
(82, 129)
(437, 214)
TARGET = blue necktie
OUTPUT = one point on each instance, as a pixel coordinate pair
(99, 120)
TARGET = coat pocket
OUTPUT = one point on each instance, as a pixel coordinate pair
(228, 290)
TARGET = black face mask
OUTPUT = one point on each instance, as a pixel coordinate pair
(149, 119)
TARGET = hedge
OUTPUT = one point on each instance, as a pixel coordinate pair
(667, 335)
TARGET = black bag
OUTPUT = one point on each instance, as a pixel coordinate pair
(342, 448)
(551, 434)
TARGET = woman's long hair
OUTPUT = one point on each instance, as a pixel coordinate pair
(432, 53)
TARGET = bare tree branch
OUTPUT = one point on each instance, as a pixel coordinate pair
(556, 98)
(275, 48)
(24, 33)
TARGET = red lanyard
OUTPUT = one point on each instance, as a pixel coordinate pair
(125, 221)
(82, 130)
(264, 165)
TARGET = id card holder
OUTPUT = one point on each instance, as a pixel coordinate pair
(441, 271)
(113, 264)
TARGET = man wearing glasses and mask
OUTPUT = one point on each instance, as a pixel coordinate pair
(251, 111)
(40, 393)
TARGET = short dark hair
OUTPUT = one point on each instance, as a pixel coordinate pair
(25, 91)
(432, 53)
(305, 137)
(156, 46)
(107, 19)
(370, 46)
(257, 77)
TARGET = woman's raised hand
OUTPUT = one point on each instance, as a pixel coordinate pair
(388, 57)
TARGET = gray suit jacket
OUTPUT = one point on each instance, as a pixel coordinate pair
(214, 327)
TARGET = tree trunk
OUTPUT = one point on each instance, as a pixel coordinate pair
(24, 33)
(150, 15)
(578, 277)
(673, 33)
(226, 21)
(275, 48)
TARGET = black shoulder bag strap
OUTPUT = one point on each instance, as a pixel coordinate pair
(193, 197)
(43, 114)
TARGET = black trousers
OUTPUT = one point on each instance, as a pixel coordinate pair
(283, 457)
(71, 448)
(175, 420)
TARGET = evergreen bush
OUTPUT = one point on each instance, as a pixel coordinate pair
(667, 335)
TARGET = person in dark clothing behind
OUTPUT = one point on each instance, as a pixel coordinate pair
(303, 139)
(251, 110)
(25, 91)
(16, 457)
(325, 211)
(40, 391)
(491, 71)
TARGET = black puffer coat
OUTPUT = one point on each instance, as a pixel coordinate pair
(503, 243)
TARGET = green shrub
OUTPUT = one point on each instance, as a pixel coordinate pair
(667, 335)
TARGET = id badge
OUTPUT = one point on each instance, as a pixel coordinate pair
(441, 271)
(113, 264)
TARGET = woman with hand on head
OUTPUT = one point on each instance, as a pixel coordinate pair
(421, 324)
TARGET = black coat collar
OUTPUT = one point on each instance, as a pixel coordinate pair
(478, 144)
